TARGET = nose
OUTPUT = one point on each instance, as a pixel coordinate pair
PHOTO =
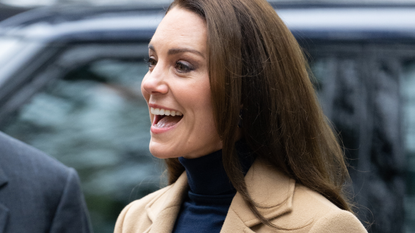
(154, 83)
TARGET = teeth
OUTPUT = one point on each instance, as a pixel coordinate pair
(158, 111)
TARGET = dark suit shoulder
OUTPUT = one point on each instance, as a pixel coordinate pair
(37, 192)
(30, 173)
(18, 155)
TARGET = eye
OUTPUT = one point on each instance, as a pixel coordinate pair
(151, 62)
(183, 67)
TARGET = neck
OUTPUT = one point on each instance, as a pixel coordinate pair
(206, 175)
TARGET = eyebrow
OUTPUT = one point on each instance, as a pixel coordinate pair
(179, 50)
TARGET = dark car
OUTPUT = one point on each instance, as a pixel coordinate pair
(7, 11)
(70, 86)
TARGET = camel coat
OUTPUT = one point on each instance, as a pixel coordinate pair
(288, 205)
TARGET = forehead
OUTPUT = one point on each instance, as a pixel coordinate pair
(180, 27)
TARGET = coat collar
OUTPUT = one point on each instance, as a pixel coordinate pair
(163, 214)
(263, 182)
(270, 189)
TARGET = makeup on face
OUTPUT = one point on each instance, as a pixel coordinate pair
(177, 89)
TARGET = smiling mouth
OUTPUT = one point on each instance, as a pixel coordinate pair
(164, 118)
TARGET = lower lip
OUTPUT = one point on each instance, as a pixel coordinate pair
(156, 130)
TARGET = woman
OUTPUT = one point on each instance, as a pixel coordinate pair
(236, 119)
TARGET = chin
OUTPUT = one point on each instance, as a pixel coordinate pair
(159, 152)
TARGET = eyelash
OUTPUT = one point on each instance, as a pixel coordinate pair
(180, 66)
(151, 62)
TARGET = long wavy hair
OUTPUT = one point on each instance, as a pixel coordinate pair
(257, 68)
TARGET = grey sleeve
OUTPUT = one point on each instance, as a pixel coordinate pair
(71, 215)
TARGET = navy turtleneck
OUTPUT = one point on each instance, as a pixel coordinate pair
(210, 191)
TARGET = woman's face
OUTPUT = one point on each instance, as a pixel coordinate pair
(177, 88)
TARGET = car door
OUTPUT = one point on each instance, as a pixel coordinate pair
(83, 106)
(366, 88)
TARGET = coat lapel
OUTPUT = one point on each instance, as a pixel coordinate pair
(4, 211)
(270, 189)
(163, 214)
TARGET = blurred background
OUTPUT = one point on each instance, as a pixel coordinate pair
(70, 74)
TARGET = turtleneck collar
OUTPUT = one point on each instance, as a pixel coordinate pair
(206, 175)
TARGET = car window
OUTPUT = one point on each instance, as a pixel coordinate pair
(93, 118)
(359, 87)
(8, 46)
(338, 87)
(14, 51)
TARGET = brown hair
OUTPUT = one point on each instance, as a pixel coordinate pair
(255, 62)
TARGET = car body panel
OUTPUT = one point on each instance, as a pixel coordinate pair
(68, 87)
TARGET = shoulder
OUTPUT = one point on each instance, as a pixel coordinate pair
(28, 174)
(306, 211)
(134, 216)
(320, 215)
(337, 221)
(289, 205)
(22, 164)
(18, 155)
(161, 206)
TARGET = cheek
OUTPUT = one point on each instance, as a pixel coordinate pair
(205, 96)
(202, 102)
(198, 97)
